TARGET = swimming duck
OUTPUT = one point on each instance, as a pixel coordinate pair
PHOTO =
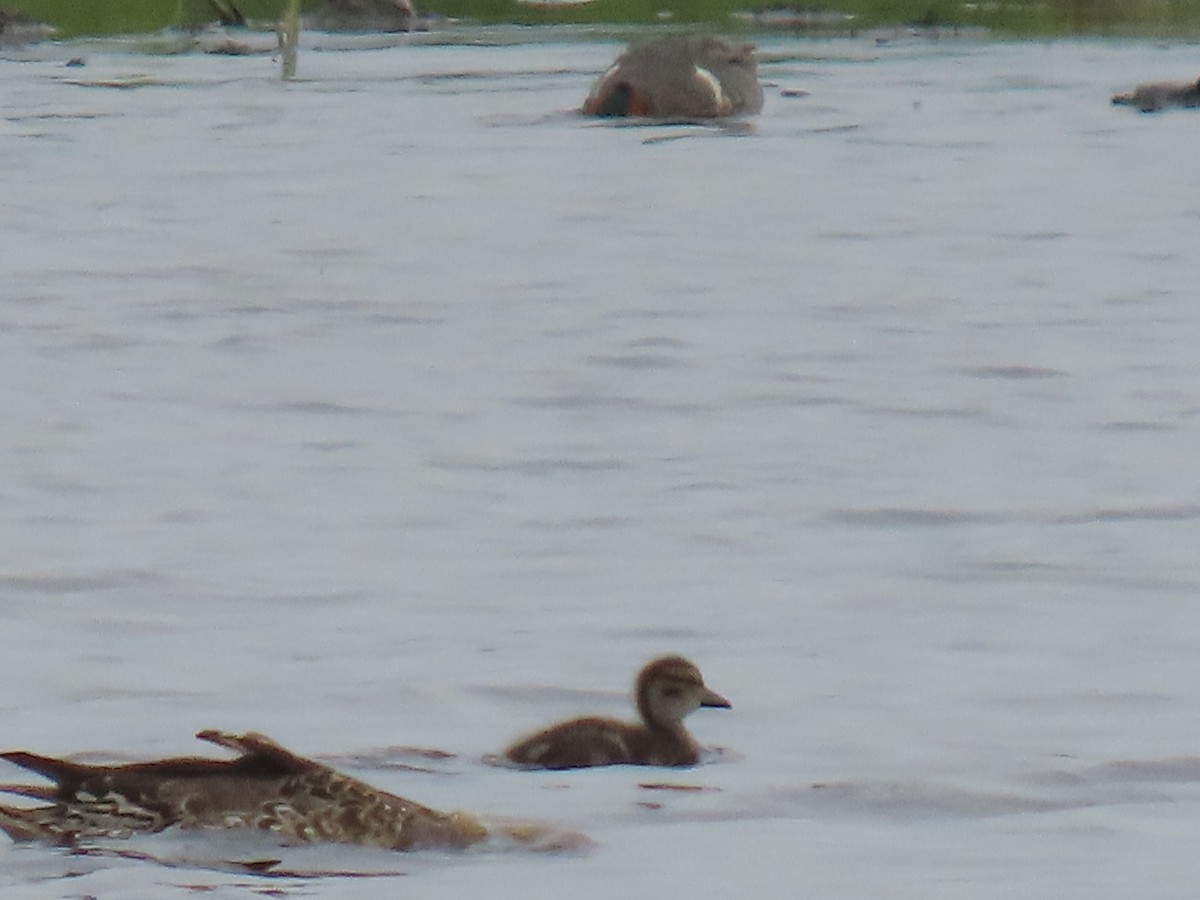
(667, 690)
(267, 787)
(1158, 95)
(680, 76)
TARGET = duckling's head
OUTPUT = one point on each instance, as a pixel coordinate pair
(671, 688)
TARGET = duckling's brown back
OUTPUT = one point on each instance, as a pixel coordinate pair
(582, 743)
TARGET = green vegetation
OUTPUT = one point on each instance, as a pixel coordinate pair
(1015, 17)
(81, 17)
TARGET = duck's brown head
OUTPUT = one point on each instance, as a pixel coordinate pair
(672, 688)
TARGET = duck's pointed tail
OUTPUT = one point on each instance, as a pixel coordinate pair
(40, 823)
(60, 771)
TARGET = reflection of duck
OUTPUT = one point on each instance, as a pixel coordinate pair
(365, 15)
(17, 29)
(339, 15)
(680, 76)
(1161, 94)
(266, 787)
(667, 690)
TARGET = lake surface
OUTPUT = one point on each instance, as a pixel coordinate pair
(399, 406)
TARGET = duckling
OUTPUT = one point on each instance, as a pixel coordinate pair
(1158, 95)
(267, 787)
(667, 690)
(679, 77)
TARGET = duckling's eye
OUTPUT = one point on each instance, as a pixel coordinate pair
(672, 692)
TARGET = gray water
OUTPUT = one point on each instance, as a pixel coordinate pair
(399, 406)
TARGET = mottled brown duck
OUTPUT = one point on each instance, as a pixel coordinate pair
(266, 787)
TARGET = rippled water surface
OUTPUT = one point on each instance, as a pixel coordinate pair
(400, 407)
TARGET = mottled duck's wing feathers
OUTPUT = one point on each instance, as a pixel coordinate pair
(145, 796)
(259, 747)
(116, 800)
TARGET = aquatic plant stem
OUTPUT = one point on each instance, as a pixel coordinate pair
(289, 38)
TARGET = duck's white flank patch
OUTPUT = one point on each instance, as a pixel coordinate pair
(713, 84)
